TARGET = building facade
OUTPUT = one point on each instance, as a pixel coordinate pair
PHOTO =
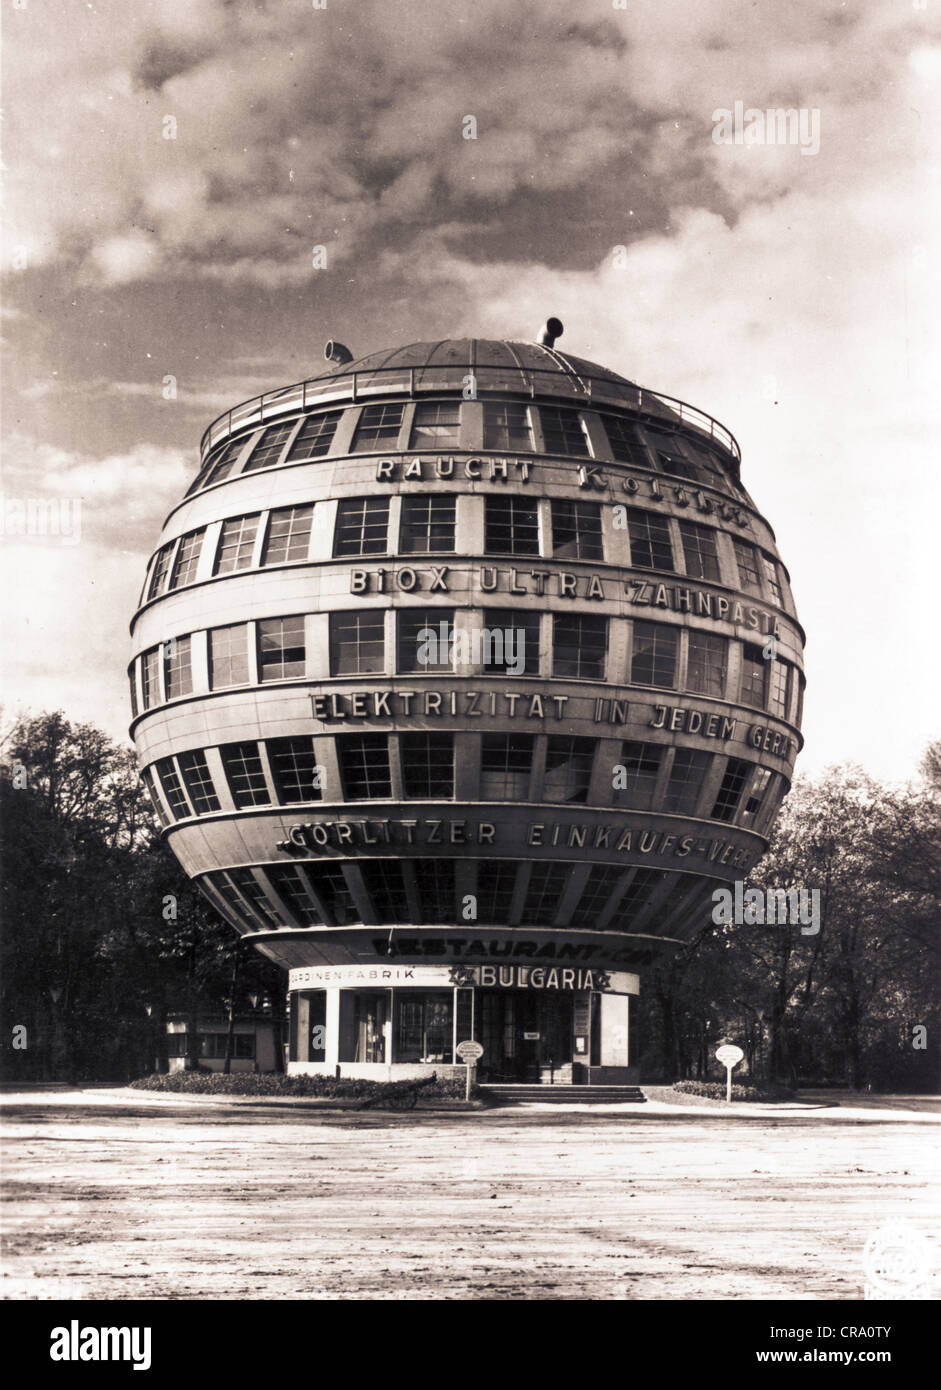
(463, 675)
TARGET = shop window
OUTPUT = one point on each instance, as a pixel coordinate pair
(428, 765)
(281, 648)
(568, 768)
(187, 559)
(579, 647)
(378, 427)
(512, 643)
(753, 689)
(687, 777)
(364, 766)
(288, 535)
(436, 425)
(730, 792)
(425, 640)
(563, 431)
(641, 764)
(511, 526)
(245, 774)
(428, 525)
(362, 526)
(198, 779)
(177, 667)
(699, 550)
(576, 530)
(268, 449)
(505, 765)
(424, 1028)
(651, 546)
(236, 543)
(369, 1020)
(228, 656)
(294, 769)
(654, 654)
(357, 643)
(708, 663)
(507, 427)
(315, 436)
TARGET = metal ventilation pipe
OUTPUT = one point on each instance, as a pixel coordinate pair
(551, 329)
(337, 352)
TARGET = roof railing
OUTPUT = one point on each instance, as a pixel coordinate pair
(383, 381)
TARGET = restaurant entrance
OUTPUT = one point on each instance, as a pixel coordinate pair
(526, 1036)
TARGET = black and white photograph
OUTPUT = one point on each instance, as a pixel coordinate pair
(470, 755)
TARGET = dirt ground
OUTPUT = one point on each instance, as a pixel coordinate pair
(124, 1195)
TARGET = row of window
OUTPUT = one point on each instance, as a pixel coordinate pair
(433, 891)
(428, 526)
(511, 643)
(285, 771)
(508, 426)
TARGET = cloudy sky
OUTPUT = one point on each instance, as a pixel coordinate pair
(793, 295)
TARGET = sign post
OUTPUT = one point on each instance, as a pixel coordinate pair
(729, 1056)
(469, 1053)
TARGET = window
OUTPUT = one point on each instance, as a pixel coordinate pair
(247, 885)
(132, 677)
(436, 425)
(546, 886)
(425, 640)
(708, 663)
(357, 643)
(752, 689)
(428, 765)
(288, 535)
(781, 678)
(291, 883)
(234, 906)
(755, 800)
(507, 426)
(384, 881)
(576, 531)
(436, 887)
(294, 769)
(496, 881)
(699, 550)
(579, 646)
(187, 559)
(150, 782)
(362, 526)
(799, 712)
(268, 448)
(378, 427)
(423, 1027)
(314, 437)
(329, 883)
(562, 430)
(510, 642)
(506, 761)
(427, 525)
(602, 882)
(651, 547)
(737, 773)
(198, 781)
(641, 764)
(222, 463)
(626, 443)
(747, 567)
(687, 776)
(653, 658)
(172, 789)
(364, 766)
(236, 543)
(670, 456)
(770, 568)
(511, 526)
(245, 774)
(636, 897)
(177, 667)
(568, 768)
(282, 653)
(228, 656)
(150, 677)
(161, 565)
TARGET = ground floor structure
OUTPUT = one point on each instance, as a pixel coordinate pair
(548, 1024)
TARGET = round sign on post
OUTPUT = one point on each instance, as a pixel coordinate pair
(469, 1053)
(730, 1056)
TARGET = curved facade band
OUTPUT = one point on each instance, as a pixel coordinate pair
(460, 702)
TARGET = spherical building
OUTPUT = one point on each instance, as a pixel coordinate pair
(463, 674)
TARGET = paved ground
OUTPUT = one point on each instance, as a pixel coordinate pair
(125, 1195)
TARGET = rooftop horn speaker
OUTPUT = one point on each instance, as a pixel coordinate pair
(551, 329)
(338, 352)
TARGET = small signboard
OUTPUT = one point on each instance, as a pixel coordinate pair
(730, 1056)
(469, 1052)
(530, 1037)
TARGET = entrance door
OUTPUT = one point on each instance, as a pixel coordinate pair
(523, 1033)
